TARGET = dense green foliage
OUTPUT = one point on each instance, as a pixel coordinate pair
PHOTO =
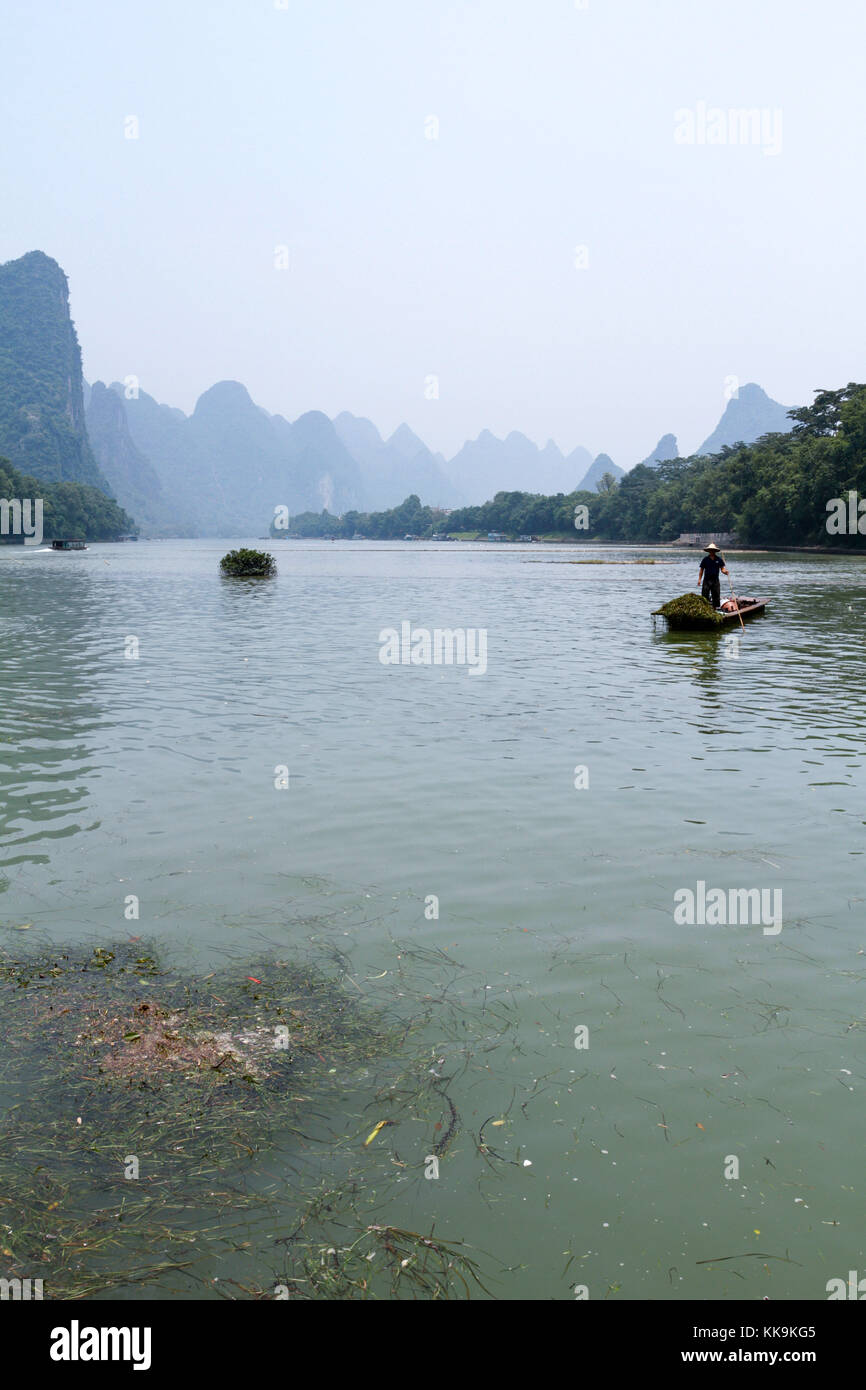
(773, 492)
(248, 564)
(71, 511)
(690, 611)
(410, 518)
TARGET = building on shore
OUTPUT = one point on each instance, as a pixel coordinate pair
(702, 538)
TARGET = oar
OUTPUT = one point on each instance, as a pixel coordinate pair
(736, 601)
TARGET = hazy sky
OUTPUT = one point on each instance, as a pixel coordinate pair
(304, 123)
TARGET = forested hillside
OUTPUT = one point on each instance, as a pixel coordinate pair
(72, 511)
(42, 428)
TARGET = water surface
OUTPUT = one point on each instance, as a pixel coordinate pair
(737, 766)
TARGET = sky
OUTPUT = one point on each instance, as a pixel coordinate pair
(532, 215)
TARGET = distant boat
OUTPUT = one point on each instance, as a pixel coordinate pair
(68, 545)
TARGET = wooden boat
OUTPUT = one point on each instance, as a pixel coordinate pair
(692, 623)
(68, 545)
(748, 612)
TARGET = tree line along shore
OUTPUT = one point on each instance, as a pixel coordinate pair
(777, 493)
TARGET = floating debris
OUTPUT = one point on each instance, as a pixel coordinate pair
(152, 1127)
(370, 1137)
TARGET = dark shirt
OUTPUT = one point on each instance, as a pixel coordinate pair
(711, 565)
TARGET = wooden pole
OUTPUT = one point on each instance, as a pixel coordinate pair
(734, 597)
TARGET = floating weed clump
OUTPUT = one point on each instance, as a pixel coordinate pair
(248, 564)
(155, 1129)
(690, 610)
(131, 1096)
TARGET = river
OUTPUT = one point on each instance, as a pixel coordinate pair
(676, 1094)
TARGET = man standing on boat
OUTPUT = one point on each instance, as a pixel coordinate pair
(712, 565)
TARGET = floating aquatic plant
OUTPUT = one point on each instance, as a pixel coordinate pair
(690, 611)
(248, 564)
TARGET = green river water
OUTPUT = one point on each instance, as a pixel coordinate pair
(734, 766)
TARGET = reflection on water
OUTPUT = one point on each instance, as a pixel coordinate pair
(738, 766)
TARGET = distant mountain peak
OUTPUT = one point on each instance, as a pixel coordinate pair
(487, 465)
(406, 442)
(42, 423)
(398, 467)
(667, 448)
(356, 430)
(41, 263)
(552, 449)
(601, 464)
(130, 474)
(224, 395)
(515, 437)
(316, 417)
(748, 415)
